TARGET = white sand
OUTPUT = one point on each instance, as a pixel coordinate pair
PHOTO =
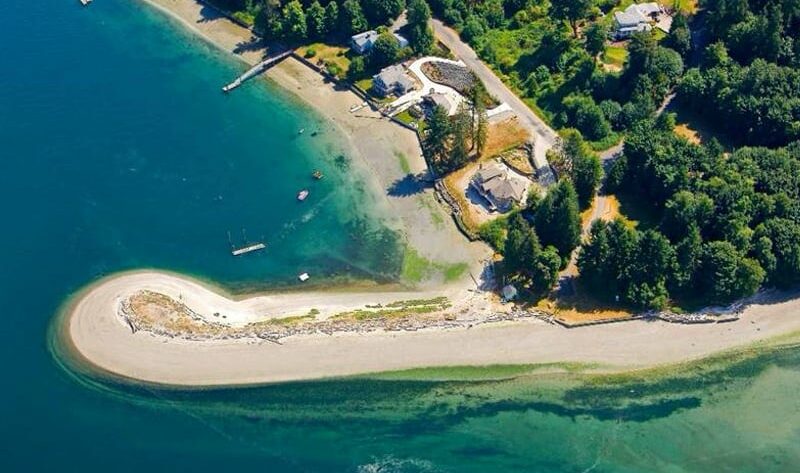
(99, 336)
(95, 332)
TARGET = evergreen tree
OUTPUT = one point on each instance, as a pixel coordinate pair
(382, 11)
(725, 275)
(315, 17)
(558, 220)
(352, 19)
(294, 21)
(332, 17)
(462, 134)
(596, 35)
(525, 257)
(571, 11)
(420, 32)
(439, 130)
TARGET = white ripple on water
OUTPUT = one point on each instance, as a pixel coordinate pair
(392, 464)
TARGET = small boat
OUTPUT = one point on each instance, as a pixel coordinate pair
(303, 277)
(301, 196)
(85, 2)
(301, 131)
(317, 174)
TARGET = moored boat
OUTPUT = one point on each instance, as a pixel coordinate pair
(301, 196)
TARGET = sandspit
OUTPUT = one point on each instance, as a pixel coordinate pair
(98, 337)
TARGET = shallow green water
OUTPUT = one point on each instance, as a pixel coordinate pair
(118, 152)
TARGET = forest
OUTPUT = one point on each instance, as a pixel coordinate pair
(724, 222)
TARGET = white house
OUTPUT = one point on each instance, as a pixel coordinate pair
(635, 19)
(392, 80)
(362, 42)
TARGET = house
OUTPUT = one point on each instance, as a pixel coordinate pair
(392, 80)
(502, 187)
(362, 42)
(436, 99)
(635, 19)
(401, 40)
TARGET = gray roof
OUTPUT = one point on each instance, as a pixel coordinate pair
(365, 38)
(438, 99)
(636, 14)
(395, 74)
(498, 182)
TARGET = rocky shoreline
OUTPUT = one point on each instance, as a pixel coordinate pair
(192, 326)
(195, 327)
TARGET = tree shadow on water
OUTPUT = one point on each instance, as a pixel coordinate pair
(408, 185)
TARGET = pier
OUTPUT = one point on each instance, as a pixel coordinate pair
(257, 69)
(248, 249)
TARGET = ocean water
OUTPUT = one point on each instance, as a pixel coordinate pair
(118, 152)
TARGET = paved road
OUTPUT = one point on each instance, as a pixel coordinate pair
(544, 136)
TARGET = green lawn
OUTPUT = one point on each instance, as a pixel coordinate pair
(364, 84)
(616, 55)
(336, 57)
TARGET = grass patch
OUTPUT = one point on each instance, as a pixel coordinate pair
(416, 268)
(615, 55)
(335, 57)
(504, 136)
(364, 84)
(454, 272)
(245, 17)
(494, 232)
(398, 309)
(404, 165)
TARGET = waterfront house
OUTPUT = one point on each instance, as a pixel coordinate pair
(501, 186)
(362, 42)
(392, 80)
(637, 18)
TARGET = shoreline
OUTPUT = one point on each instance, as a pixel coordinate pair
(90, 332)
(385, 154)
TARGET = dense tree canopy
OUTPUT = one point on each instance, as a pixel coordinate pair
(525, 257)
(732, 220)
(557, 218)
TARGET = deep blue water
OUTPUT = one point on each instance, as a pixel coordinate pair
(119, 152)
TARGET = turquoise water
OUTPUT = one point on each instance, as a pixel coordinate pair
(118, 152)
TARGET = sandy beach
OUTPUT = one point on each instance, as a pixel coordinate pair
(96, 336)
(377, 143)
(93, 333)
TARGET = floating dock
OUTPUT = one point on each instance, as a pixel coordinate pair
(248, 249)
(257, 69)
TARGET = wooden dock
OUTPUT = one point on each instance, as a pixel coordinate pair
(248, 249)
(257, 69)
